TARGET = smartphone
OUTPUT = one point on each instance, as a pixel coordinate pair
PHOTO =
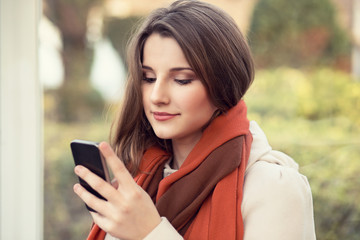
(87, 154)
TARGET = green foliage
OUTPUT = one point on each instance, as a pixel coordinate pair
(297, 33)
(330, 94)
(319, 94)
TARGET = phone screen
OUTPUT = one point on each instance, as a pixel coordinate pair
(87, 154)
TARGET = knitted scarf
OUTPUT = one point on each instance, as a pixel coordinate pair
(202, 200)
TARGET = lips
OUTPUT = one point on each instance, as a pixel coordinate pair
(163, 116)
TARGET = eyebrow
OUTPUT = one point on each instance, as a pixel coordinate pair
(177, 69)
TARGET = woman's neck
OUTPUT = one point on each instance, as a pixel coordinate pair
(182, 148)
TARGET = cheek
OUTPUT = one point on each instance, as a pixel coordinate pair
(145, 96)
(146, 101)
(197, 102)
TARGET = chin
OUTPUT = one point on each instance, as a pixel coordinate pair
(163, 135)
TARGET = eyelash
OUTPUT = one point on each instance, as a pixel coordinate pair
(149, 80)
(181, 82)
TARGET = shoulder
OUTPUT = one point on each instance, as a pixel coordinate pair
(273, 181)
(272, 172)
(277, 199)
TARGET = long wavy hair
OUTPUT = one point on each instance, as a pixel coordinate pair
(215, 49)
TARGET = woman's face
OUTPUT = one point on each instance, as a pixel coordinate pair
(175, 100)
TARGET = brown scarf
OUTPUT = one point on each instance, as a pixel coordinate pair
(202, 200)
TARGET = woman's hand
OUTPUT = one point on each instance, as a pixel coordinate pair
(129, 212)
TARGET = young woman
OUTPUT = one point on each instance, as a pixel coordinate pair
(187, 162)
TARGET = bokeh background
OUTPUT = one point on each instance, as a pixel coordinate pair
(306, 95)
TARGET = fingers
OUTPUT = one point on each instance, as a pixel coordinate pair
(89, 199)
(96, 182)
(129, 212)
(118, 168)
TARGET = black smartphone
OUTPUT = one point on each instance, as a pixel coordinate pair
(87, 154)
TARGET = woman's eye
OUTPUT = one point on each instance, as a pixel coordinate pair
(183, 81)
(149, 80)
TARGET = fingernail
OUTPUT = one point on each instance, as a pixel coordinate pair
(76, 187)
(78, 169)
(103, 145)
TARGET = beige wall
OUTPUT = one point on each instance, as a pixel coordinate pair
(21, 164)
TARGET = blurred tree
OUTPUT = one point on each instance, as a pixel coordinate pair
(301, 33)
(118, 30)
(76, 99)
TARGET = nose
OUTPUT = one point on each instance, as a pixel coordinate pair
(160, 92)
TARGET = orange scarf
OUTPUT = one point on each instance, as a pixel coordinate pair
(202, 200)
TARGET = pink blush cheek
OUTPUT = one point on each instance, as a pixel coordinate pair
(193, 98)
(197, 102)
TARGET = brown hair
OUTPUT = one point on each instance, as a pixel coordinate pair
(214, 48)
